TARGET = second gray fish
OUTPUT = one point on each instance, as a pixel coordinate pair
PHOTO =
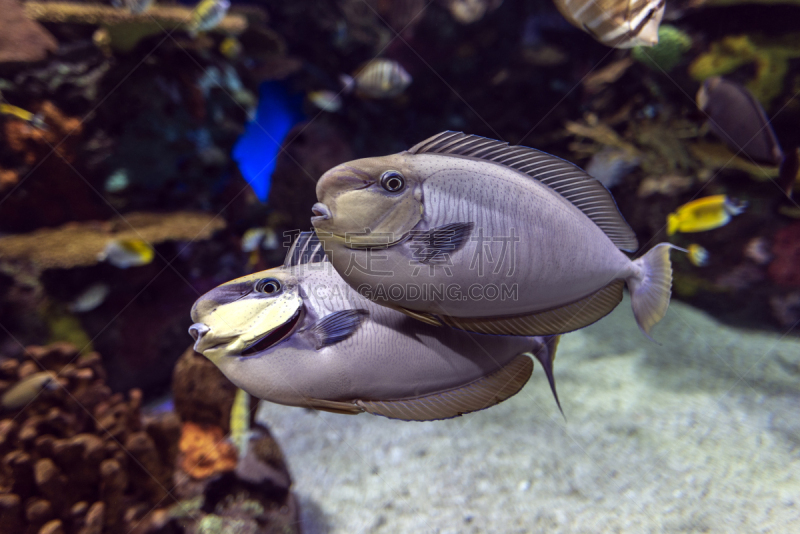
(472, 233)
(299, 335)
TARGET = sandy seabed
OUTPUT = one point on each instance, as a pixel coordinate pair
(698, 434)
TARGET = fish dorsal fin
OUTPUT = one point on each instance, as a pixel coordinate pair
(478, 395)
(307, 248)
(568, 180)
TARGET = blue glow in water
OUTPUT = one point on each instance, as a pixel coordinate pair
(257, 149)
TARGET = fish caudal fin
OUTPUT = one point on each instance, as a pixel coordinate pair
(673, 222)
(650, 288)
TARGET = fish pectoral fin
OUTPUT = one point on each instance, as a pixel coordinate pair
(342, 407)
(425, 317)
(337, 327)
(559, 320)
(437, 243)
(482, 393)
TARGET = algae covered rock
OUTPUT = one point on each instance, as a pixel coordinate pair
(667, 53)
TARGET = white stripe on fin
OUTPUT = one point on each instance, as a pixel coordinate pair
(568, 180)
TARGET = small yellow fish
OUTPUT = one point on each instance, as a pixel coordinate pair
(207, 15)
(616, 23)
(102, 40)
(252, 239)
(124, 253)
(326, 100)
(33, 118)
(26, 390)
(230, 47)
(703, 214)
(698, 255)
(240, 421)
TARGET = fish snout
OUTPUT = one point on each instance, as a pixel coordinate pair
(197, 331)
(321, 212)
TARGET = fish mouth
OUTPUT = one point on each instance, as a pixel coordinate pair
(321, 212)
(203, 345)
(275, 336)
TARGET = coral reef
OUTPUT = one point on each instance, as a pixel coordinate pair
(42, 157)
(770, 55)
(126, 29)
(219, 489)
(21, 39)
(201, 392)
(78, 459)
(667, 53)
(78, 244)
(204, 453)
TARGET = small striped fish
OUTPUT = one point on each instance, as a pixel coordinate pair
(616, 23)
(207, 15)
(379, 78)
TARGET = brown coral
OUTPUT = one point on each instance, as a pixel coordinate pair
(127, 29)
(201, 392)
(205, 452)
(22, 39)
(63, 468)
(78, 244)
(49, 192)
(35, 143)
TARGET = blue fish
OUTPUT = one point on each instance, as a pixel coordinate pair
(256, 151)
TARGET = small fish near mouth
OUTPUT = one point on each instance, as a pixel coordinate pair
(321, 212)
(275, 336)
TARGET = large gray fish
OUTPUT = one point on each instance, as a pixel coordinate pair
(473, 233)
(299, 335)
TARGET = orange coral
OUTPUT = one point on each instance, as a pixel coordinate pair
(34, 143)
(8, 179)
(204, 451)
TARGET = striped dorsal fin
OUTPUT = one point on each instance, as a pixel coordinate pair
(307, 248)
(568, 180)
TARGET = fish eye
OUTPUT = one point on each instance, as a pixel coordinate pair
(393, 181)
(268, 286)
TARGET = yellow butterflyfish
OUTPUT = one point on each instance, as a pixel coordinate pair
(703, 214)
(698, 255)
(124, 253)
(34, 118)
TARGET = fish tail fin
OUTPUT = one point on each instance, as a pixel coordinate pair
(651, 287)
(673, 222)
(546, 354)
(348, 83)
